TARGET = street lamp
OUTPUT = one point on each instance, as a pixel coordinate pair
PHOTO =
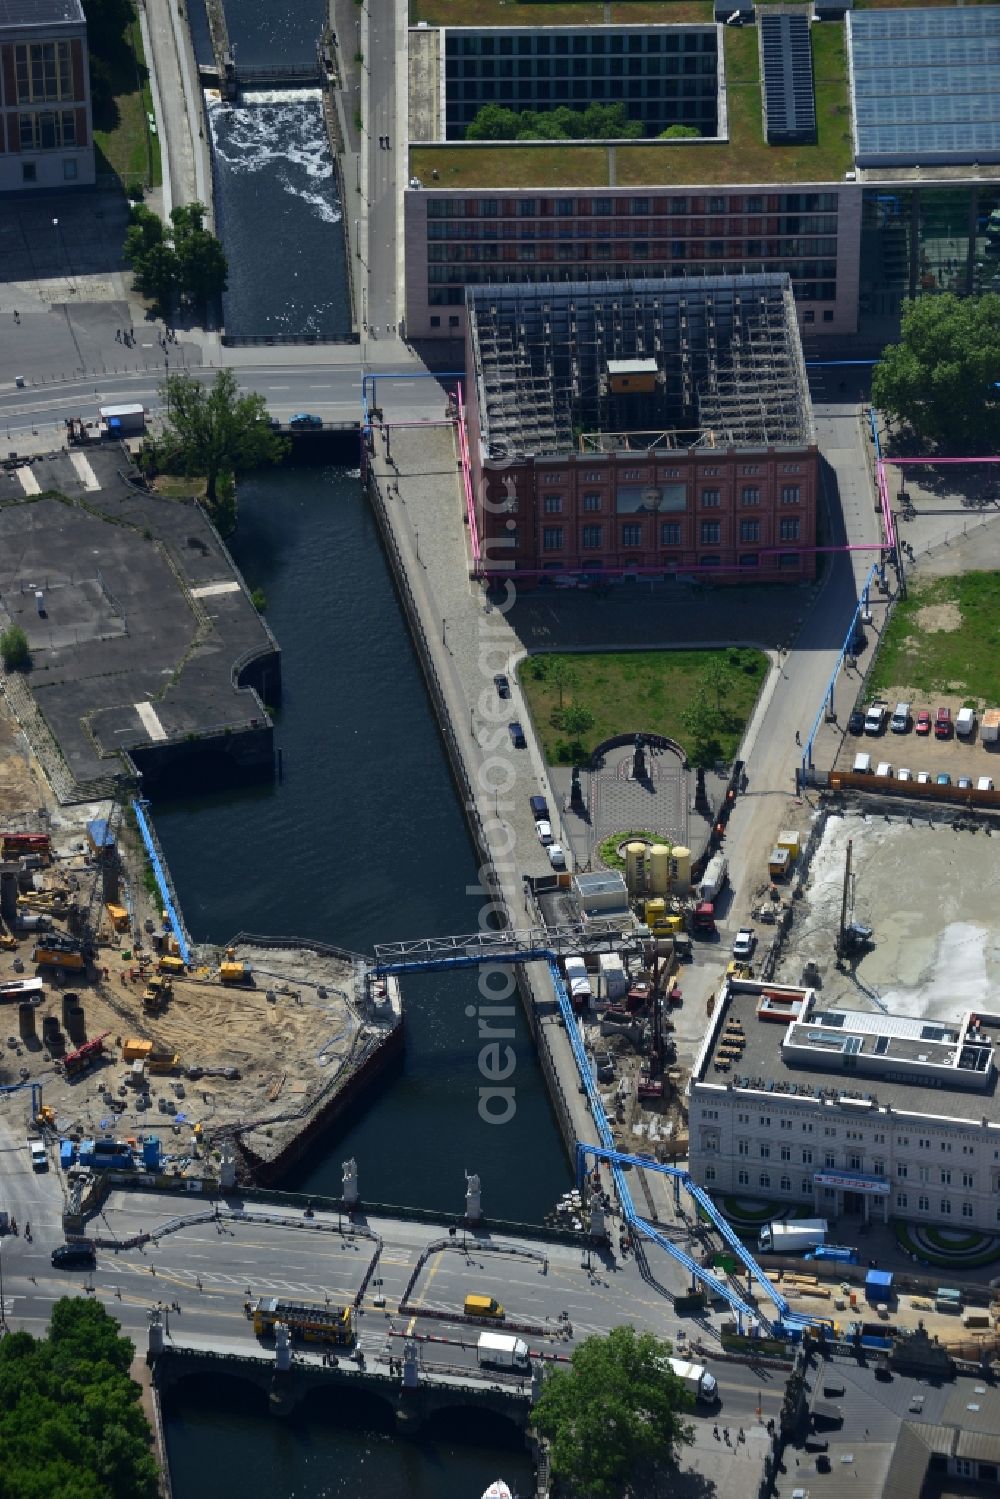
(3, 1304)
(55, 226)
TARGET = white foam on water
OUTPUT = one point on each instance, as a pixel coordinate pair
(283, 127)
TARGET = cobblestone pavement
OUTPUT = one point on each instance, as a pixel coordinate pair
(657, 803)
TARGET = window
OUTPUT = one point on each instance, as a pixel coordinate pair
(784, 1123)
(711, 532)
(806, 1186)
(828, 316)
(43, 72)
(807, 1129)
(670, 533)
(69, 171)
(749, 495)
(749, 530)
(631, 536)
(878, 1167)
(743, 1178)
(789, 528)
(830, 1131)
(786, 1152)
(807, 1158)
(765, 1152)
(902, 1170)
(901, 1199)
(966, 1209)
(923, 1204)
(946, 1145)
(552, 539)
(946, 1206)
(751, 468)
(711, 497)
(743, 1147)
(47, 130)
(710, 1173)
(764, 1179)
(29, 172)
(830, 1161)
(808, 316)
(552, 504)
(591, 502)
(789, 494)
(854, 1162)
(923, 1144)
(786, 1183)
(968, 1181)
(716, 205)
(946, 1178)
(592, 537)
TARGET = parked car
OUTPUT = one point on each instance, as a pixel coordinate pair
(876, 716)
(923, 723)
(903, 774)
(516, 733)
(744, 944)
(883, 768)
(305, 421)
(539, 808)
(502, 685)
(74, 1257)
(900, 719)
(965, 722)
(964, 783)
(856, 722)
(923, 778)
(544, 831)
(943, 726)
(556, 856)
(942, 778)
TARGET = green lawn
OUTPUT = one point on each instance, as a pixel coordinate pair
(632, 692)
(931, 648)
(124, 144)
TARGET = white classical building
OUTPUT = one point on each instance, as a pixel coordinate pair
(847, 1113)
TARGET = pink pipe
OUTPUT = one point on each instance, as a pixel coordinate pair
(470, 504)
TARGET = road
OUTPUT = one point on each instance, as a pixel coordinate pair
(383, 170)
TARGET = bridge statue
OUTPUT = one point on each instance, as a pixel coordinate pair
(227, 1167)
(282, 1348)
(473, 1199)
(350, 1191)
(411, 1366)
(639, 760)
(155, 1344)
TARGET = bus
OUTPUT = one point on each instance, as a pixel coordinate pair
(304, 1319)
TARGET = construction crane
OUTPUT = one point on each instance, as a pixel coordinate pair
(90, 920)
(852, 936)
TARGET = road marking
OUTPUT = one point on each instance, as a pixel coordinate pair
(29, 483)
(212, 590)
(279, 387)
(150, 722)
(84, 471)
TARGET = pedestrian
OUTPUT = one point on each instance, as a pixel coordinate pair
(118, 335)
(715, 1432)
(798, 737)
(17, 316)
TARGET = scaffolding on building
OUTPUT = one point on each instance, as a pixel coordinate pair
(728, 360)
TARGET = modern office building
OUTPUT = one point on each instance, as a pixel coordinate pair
(889, 188)
(46, 132)
(648, 428)
(847, 1113)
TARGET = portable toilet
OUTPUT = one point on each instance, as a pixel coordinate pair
(659, 869)
(789, 840)
(67, 1150)
(86, 1153)
(778, 863)
(680, 869)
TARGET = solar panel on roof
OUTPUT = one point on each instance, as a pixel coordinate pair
(926, 85)
(789, 101)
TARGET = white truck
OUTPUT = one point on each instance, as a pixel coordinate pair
(792, 1238)
(501, 1350)
(875, 717)
(124, 421)
(696, 1379)
(714, 878)
(39, 1159)
(578, 981)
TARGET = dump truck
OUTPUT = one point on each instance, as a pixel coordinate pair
(502, 1351)
(170, 964)
(792, 1238)
(233, 970)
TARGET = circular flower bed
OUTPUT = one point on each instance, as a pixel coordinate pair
(951, 1248)
(612, 851)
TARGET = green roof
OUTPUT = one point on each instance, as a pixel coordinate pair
(745, 157)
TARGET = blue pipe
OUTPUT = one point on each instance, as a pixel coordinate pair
(161, 880)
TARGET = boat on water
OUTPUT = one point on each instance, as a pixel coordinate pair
(498, 1490)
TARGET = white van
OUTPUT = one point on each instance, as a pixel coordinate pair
(577, 981)
(900, 719)
(965, 722)
(883, 769)
(985, 783)
(862, 764)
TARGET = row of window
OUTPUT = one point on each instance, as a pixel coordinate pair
(43, 72)
(47, 130)
(923, 1204)
(602, 244)
(468, 43)
(530, 208)
(454, 295)
(710, 499)
(658, 476)
(922, 1142)
(710, 534)
(817, 236)
(592, 70)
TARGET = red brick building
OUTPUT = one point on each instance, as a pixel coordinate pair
(46, 132)
(641, 429)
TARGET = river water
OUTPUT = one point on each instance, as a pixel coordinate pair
(363, 842)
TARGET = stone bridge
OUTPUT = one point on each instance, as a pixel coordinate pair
(412, 1405)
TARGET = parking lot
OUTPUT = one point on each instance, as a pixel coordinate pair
(957, 756)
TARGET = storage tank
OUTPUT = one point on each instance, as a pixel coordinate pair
(69, 999)
(635, 867)
(659, 869)
(75, 1025)
(680, 869)
(26, 1021)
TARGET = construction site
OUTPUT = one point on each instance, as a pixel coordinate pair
(120, 1028)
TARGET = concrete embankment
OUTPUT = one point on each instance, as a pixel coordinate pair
(461, 640)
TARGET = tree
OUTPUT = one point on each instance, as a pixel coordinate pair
(940, 378)
(615, 1417)
(562, 675)
(14, 650)
(597, 122)
(704, 724)
(213, 430)
(576, 720)
(184, 259)
(680, 133)
(716, 678)
(71, 1425)
(202, 268)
